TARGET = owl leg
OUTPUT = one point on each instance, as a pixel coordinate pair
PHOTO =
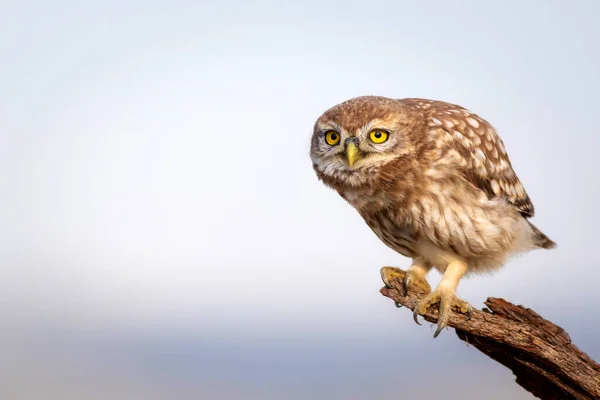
(445, 295)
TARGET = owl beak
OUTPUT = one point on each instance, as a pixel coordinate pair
(352, 152)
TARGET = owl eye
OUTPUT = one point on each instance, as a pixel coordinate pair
(378, 136)
(332, 138)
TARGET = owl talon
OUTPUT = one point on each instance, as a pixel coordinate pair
(407, 281)
(412, 278)
(437, 331)
(445, 299)
(416, 318)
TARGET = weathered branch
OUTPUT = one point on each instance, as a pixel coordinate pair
(539, 353)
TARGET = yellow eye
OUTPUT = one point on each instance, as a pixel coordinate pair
(332, 138)
(378, 136)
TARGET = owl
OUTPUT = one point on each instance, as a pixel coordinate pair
(434, 182)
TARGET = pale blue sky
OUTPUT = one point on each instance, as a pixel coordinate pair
(156, 178)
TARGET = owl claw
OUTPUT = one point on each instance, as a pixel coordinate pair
(408, 280)
(416, 316)
(445, 299)
(412, 278)
(437, 331)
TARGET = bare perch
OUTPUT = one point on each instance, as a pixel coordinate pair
(539, 353)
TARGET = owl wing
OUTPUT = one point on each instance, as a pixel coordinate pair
(484, 161)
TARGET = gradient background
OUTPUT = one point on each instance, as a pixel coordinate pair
(164, 236)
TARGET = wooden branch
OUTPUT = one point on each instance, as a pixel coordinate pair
(539, 353)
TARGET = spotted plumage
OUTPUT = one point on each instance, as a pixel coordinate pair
(431, 179)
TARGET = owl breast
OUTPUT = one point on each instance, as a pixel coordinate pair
(397, 236)
(384, 217)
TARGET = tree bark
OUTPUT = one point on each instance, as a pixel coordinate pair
(538, 352)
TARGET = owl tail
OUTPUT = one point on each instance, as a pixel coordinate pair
(541, 240)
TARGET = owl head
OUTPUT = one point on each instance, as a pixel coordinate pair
(354, 139)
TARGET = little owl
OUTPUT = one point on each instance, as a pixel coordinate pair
(434, 182)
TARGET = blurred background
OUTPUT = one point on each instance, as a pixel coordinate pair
(164, 235)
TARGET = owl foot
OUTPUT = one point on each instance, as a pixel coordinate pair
(408, 278)
(447, 301)
(389, 273)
